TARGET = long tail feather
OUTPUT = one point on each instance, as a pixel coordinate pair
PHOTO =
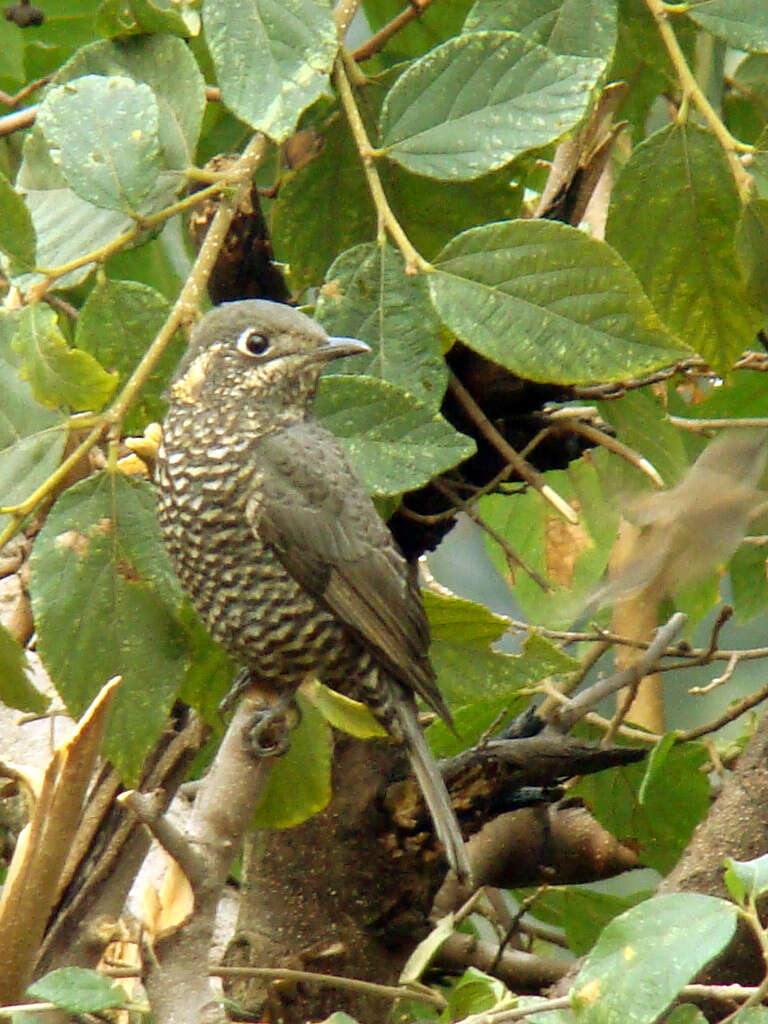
(432, 786)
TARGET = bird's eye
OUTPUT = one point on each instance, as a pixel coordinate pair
(251, 343)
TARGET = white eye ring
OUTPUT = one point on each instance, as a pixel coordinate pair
(252, 343)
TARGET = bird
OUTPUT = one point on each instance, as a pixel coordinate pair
(276, 540)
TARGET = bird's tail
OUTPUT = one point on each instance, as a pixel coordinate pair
(432, 786)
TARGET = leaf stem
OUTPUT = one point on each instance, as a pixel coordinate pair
(691, 88)
(99, 255)
(414, 261)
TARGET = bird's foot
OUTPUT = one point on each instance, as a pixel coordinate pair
(267, 731)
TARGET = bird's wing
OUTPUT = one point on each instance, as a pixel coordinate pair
(312, 510)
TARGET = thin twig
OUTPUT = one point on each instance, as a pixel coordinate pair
(379, 40)
(728, 716)
(691, 88)
(419, 994)
(701, 426)
(414, 262)
(509, 552)
(626, 677)
(523, 469)
(598, 436)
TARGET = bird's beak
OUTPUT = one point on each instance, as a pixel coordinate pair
(335, 348)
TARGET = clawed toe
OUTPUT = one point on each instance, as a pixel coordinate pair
(268, 728)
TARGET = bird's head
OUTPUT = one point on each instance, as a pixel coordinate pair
(255, 351)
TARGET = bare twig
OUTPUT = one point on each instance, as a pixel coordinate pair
(379, 40)
(509, 552)
(634, 458)
(523, 469)
(580, 704)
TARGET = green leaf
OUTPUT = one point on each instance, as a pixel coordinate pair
(78, 991)
(303, 235)
(116, 325)
(395, 442)
(432, 212)
(17, 233)
(134, 17)
(59, 375)
(296, 45)
(467, 667)
(743, 24)
(165, 64)
(299, 783)
(476, 992)
(751, 248)
(549, 303)
(479, 100)
(368, 295)
(426, 950)
(586, 29)
(674, 802)
(582, 912)
(748, 571)
(67, 227)
(31, 436)
(105, 601)
(342, 712)
(747, 879)
(749, 1015)
(686, 1013)
(104, 135)
(668, 939)
(655, 764)
(16, 690)
(693, 280)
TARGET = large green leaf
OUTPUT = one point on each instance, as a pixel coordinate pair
(165, 64)
(692, 279)
(368, 295)
(479, 100)
(67, 226)
(586, 28)
(295, 41)
(469, 669)
(395, 442)
(103, 134)
(59, 375)
(673, 803)
(646, 955)
(105, 601)
(743, 24)
(549, 303)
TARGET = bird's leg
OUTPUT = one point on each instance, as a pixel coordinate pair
(266, 734)
(267, 731)
(243, 681)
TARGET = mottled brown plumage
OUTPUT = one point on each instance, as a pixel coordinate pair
(276, 540)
